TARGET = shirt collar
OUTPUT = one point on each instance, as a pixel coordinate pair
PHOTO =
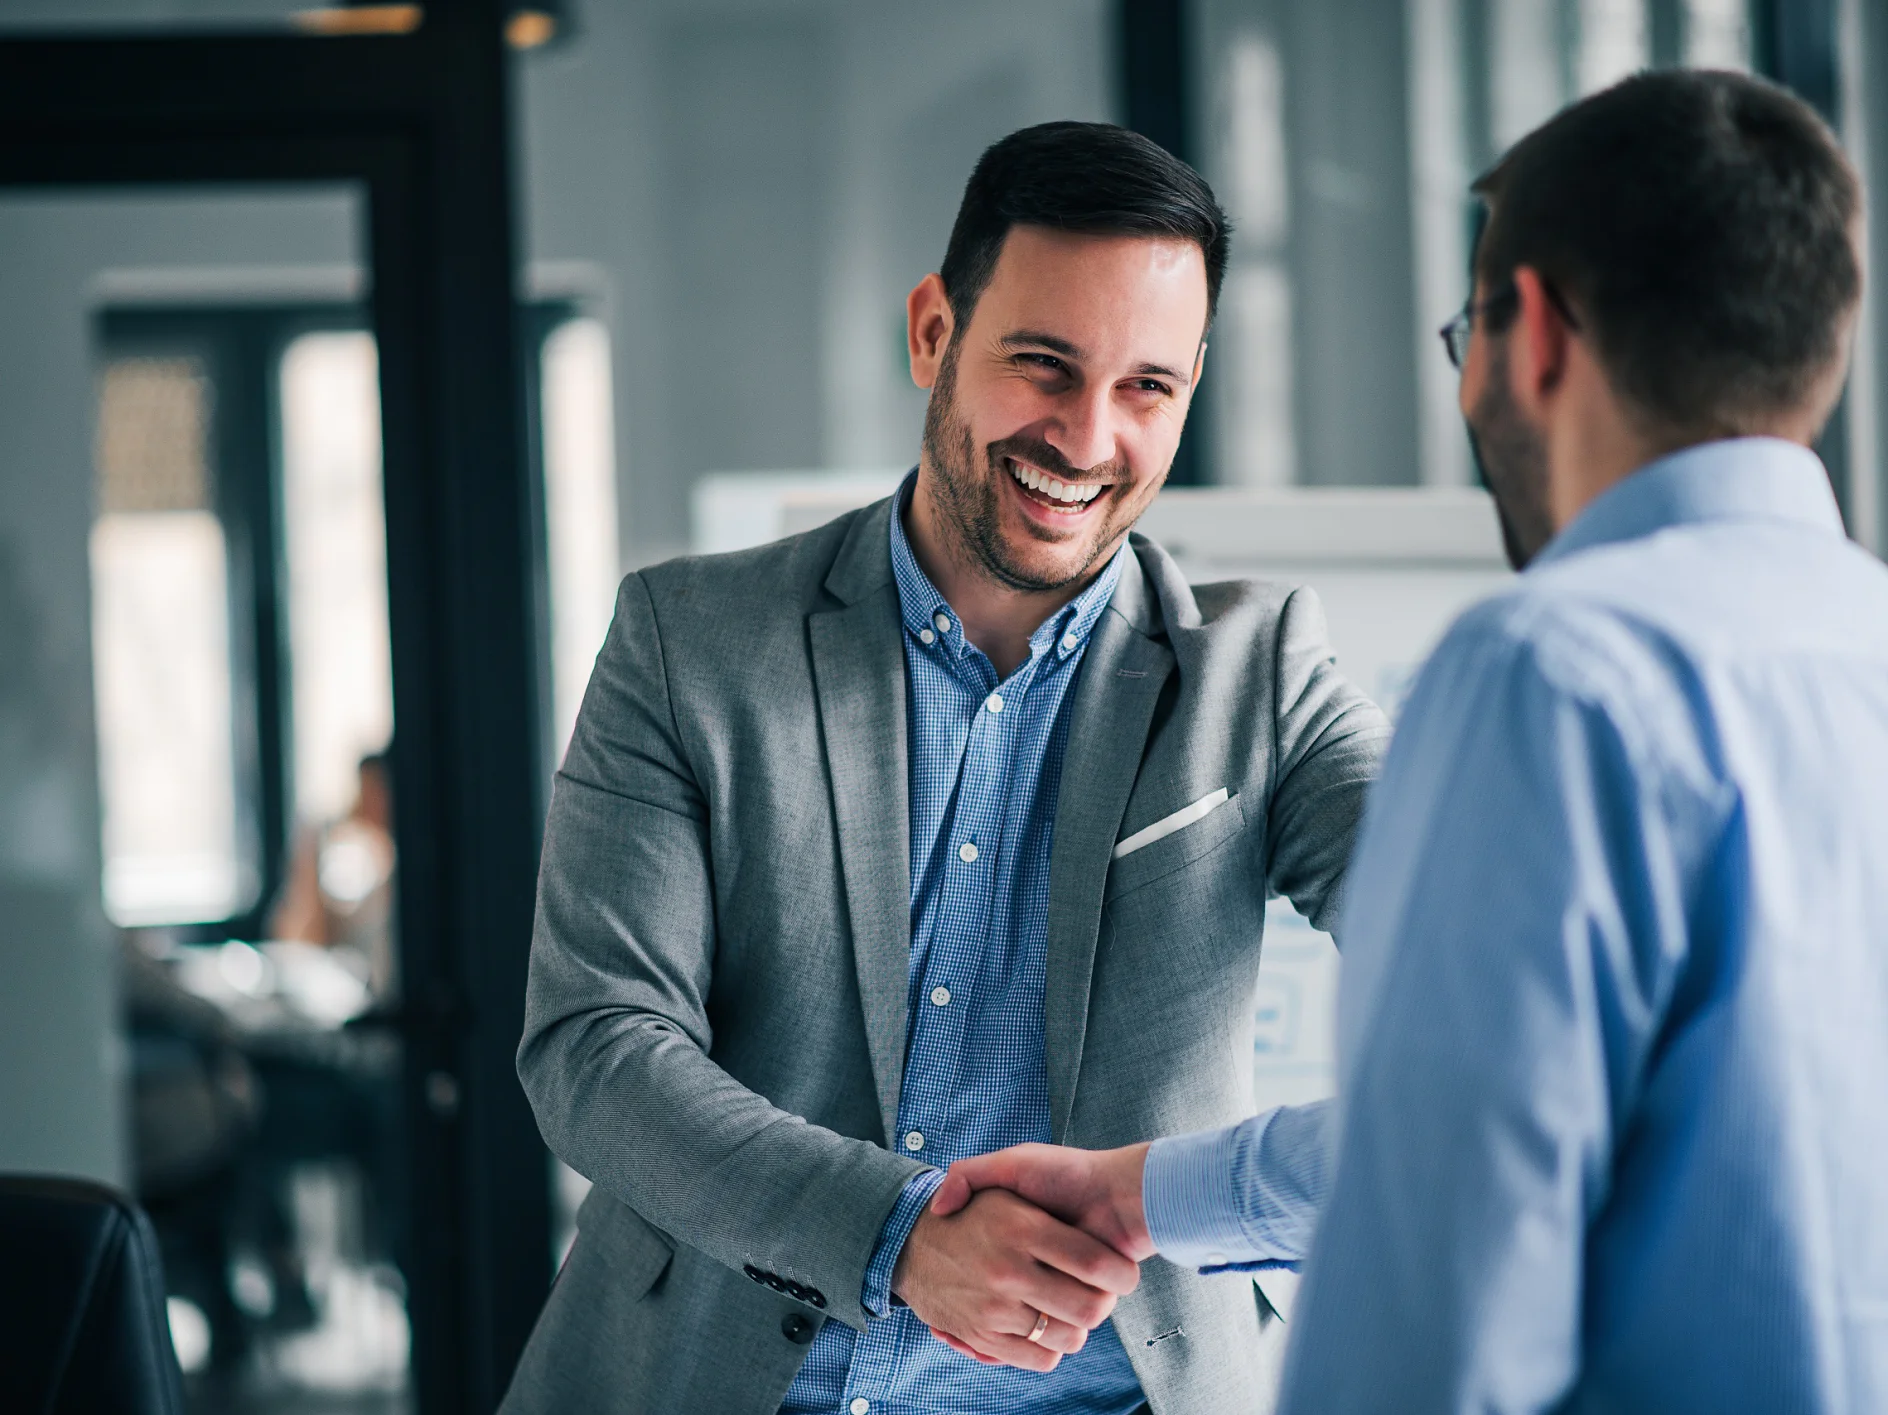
(929, 618)
(1740, 479)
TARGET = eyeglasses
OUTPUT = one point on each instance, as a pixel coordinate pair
(1455, 334)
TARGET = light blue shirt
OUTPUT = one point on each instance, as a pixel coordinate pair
(1613, 1027)
(985, 773)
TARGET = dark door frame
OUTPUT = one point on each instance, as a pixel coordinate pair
(1796, 42)
(1154, 94)
(420, 122)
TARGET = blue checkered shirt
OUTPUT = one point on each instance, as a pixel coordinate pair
(986, 764)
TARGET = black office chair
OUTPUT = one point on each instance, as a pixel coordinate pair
(82, 1323)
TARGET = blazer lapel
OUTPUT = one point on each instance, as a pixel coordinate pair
(1123, 672)
(859, 675)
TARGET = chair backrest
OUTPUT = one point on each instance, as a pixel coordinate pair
(82, 1321)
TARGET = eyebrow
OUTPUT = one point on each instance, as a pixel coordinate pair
(1035, 339)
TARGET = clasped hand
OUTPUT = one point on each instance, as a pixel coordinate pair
(1033, 1229)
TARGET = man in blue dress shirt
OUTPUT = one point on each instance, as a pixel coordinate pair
(1613, 1029)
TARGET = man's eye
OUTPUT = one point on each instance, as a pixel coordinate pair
(1151, 385)
(1045, 361)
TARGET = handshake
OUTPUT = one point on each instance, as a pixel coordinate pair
(1021, 1253)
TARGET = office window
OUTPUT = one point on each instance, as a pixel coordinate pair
(1613, 42)
(1342, 138)
(245, 698)
(1251, 347)
(335, 548)
(161, 653)
(579, 508)
(1717, 34)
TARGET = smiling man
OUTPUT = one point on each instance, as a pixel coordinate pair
(946, 827)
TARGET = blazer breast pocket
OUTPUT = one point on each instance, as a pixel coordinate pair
(1174, 850)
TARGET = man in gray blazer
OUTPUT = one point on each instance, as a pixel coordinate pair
(946, 826)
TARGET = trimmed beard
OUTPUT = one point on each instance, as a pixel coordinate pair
(969, 512)
(1512, 459)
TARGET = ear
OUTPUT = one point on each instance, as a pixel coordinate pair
(1537, 344)
(929, 325)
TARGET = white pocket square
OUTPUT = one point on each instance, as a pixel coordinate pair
(1167, 825)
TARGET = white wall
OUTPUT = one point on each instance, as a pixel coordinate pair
(60, 1073)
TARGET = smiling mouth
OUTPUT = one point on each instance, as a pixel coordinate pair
(1067, 498)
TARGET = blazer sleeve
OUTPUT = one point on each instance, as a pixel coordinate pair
(1329, 741)
(616, 1051)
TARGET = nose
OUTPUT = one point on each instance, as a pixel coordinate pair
(1084, 431)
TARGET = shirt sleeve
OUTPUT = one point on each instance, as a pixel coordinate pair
(876, 1297)
(1513, 918)
(1242, 1199)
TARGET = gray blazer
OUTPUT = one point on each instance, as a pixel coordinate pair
(715, 1025)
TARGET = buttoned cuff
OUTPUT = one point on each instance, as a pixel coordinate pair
(1243, 1199)
(1187, 1192)
(877, 1295)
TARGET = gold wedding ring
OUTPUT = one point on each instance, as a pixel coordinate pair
(1042, 1325)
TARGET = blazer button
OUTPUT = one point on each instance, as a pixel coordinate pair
(816, 1297)
(796, 1329)
(795, 1291)
(754, 1274)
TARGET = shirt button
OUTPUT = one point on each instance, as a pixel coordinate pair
(943, 622)
(941, 996)
(967, 853)
(914, 1140)
(860, 1406)
(994, 702)
(925, 636)
(1068, 643)
(1215, 1260)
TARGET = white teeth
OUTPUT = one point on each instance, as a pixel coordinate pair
(1068, 493)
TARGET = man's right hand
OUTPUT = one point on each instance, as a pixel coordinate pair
(982, 1274)
(1099, 1191)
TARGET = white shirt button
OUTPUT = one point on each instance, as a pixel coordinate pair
(914, 1139)
(943, 622)
(967, 853)
(1215, 1260)
(925, 636)
(941, 996)
(1068, 643)
(994, 702)
(860, 1406)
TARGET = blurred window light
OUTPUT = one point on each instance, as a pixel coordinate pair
(1252, 342)
(189, 1333)
(1256, 423)
(1256, 189)
(1717, 34)
(1441, 213)
(579, 507)
(335, 544)
(1615, 41)
(1526, 77)
(161, 653)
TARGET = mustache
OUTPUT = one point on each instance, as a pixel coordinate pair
(1045, 458)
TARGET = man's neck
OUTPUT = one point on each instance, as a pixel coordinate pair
(997, 618)
(1596, 443)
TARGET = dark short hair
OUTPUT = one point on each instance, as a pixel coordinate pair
(1702, 225)
(1092, 178)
